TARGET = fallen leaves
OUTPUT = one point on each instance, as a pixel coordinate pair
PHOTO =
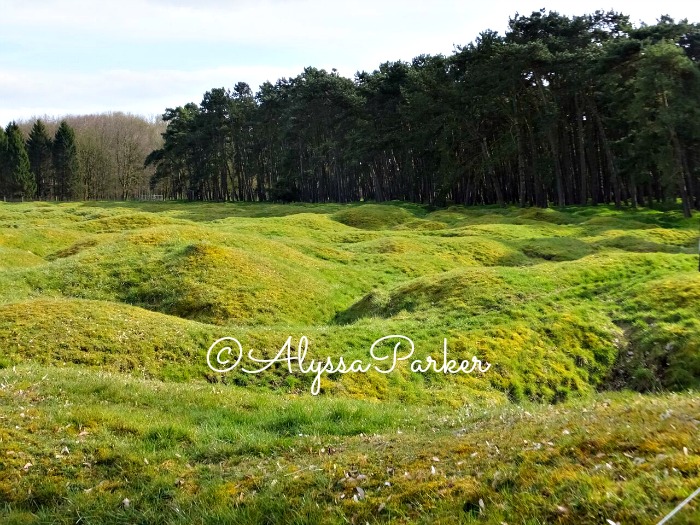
(360, 494)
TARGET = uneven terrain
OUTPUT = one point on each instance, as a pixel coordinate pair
(589, 317)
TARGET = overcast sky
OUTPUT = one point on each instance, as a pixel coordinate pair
(141, 56)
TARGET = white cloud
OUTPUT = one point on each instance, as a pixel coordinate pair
(289, 21)
(27, 94)
(74, 55)
(142, 21)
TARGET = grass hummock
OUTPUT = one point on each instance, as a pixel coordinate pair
(588, 316)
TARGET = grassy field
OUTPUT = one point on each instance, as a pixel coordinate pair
(589, 317)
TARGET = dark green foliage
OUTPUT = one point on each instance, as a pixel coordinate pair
(39, 149)
(18, 182)
(563, 110)
(65, 163)
(4, 182)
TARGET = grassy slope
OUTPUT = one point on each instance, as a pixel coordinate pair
(76, 443)
(561, 302)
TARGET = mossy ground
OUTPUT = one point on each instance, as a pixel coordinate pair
(77, 443)
(117, 303)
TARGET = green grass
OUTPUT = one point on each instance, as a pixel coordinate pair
(551, 290)
(114, 305)
(75, 444)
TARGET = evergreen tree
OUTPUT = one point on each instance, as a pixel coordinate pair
(40, 159)
(665, 118)
(65, 163)
(20, 182)
(3, 164)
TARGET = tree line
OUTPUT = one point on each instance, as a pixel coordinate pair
(560, 110)
(40, 166)
(78, 157)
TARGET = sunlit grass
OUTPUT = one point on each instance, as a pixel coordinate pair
(521, 287)
(77, 444)
(107, 311)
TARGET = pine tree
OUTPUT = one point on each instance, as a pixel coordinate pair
(65, 163)
(39, 148)
(20, 182)
(3, 164)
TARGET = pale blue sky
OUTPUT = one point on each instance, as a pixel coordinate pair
(141, 56)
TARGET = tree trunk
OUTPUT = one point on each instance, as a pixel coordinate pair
(583, 168)
(521, 158)
(682, 175)
(492, 172)
(608, 156)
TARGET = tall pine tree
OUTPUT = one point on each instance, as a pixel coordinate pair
(39, 148)
(65, 163)
(3, 164)
(20, 182)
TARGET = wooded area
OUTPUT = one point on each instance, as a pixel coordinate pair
(559, 110)
(87, 157)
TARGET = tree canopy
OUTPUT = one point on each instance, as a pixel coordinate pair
(559, 110)
(16, 180)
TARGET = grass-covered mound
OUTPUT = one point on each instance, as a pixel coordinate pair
(109, 413)
(663, 335)
(376, 217)
(103, 335)
(560, 301)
